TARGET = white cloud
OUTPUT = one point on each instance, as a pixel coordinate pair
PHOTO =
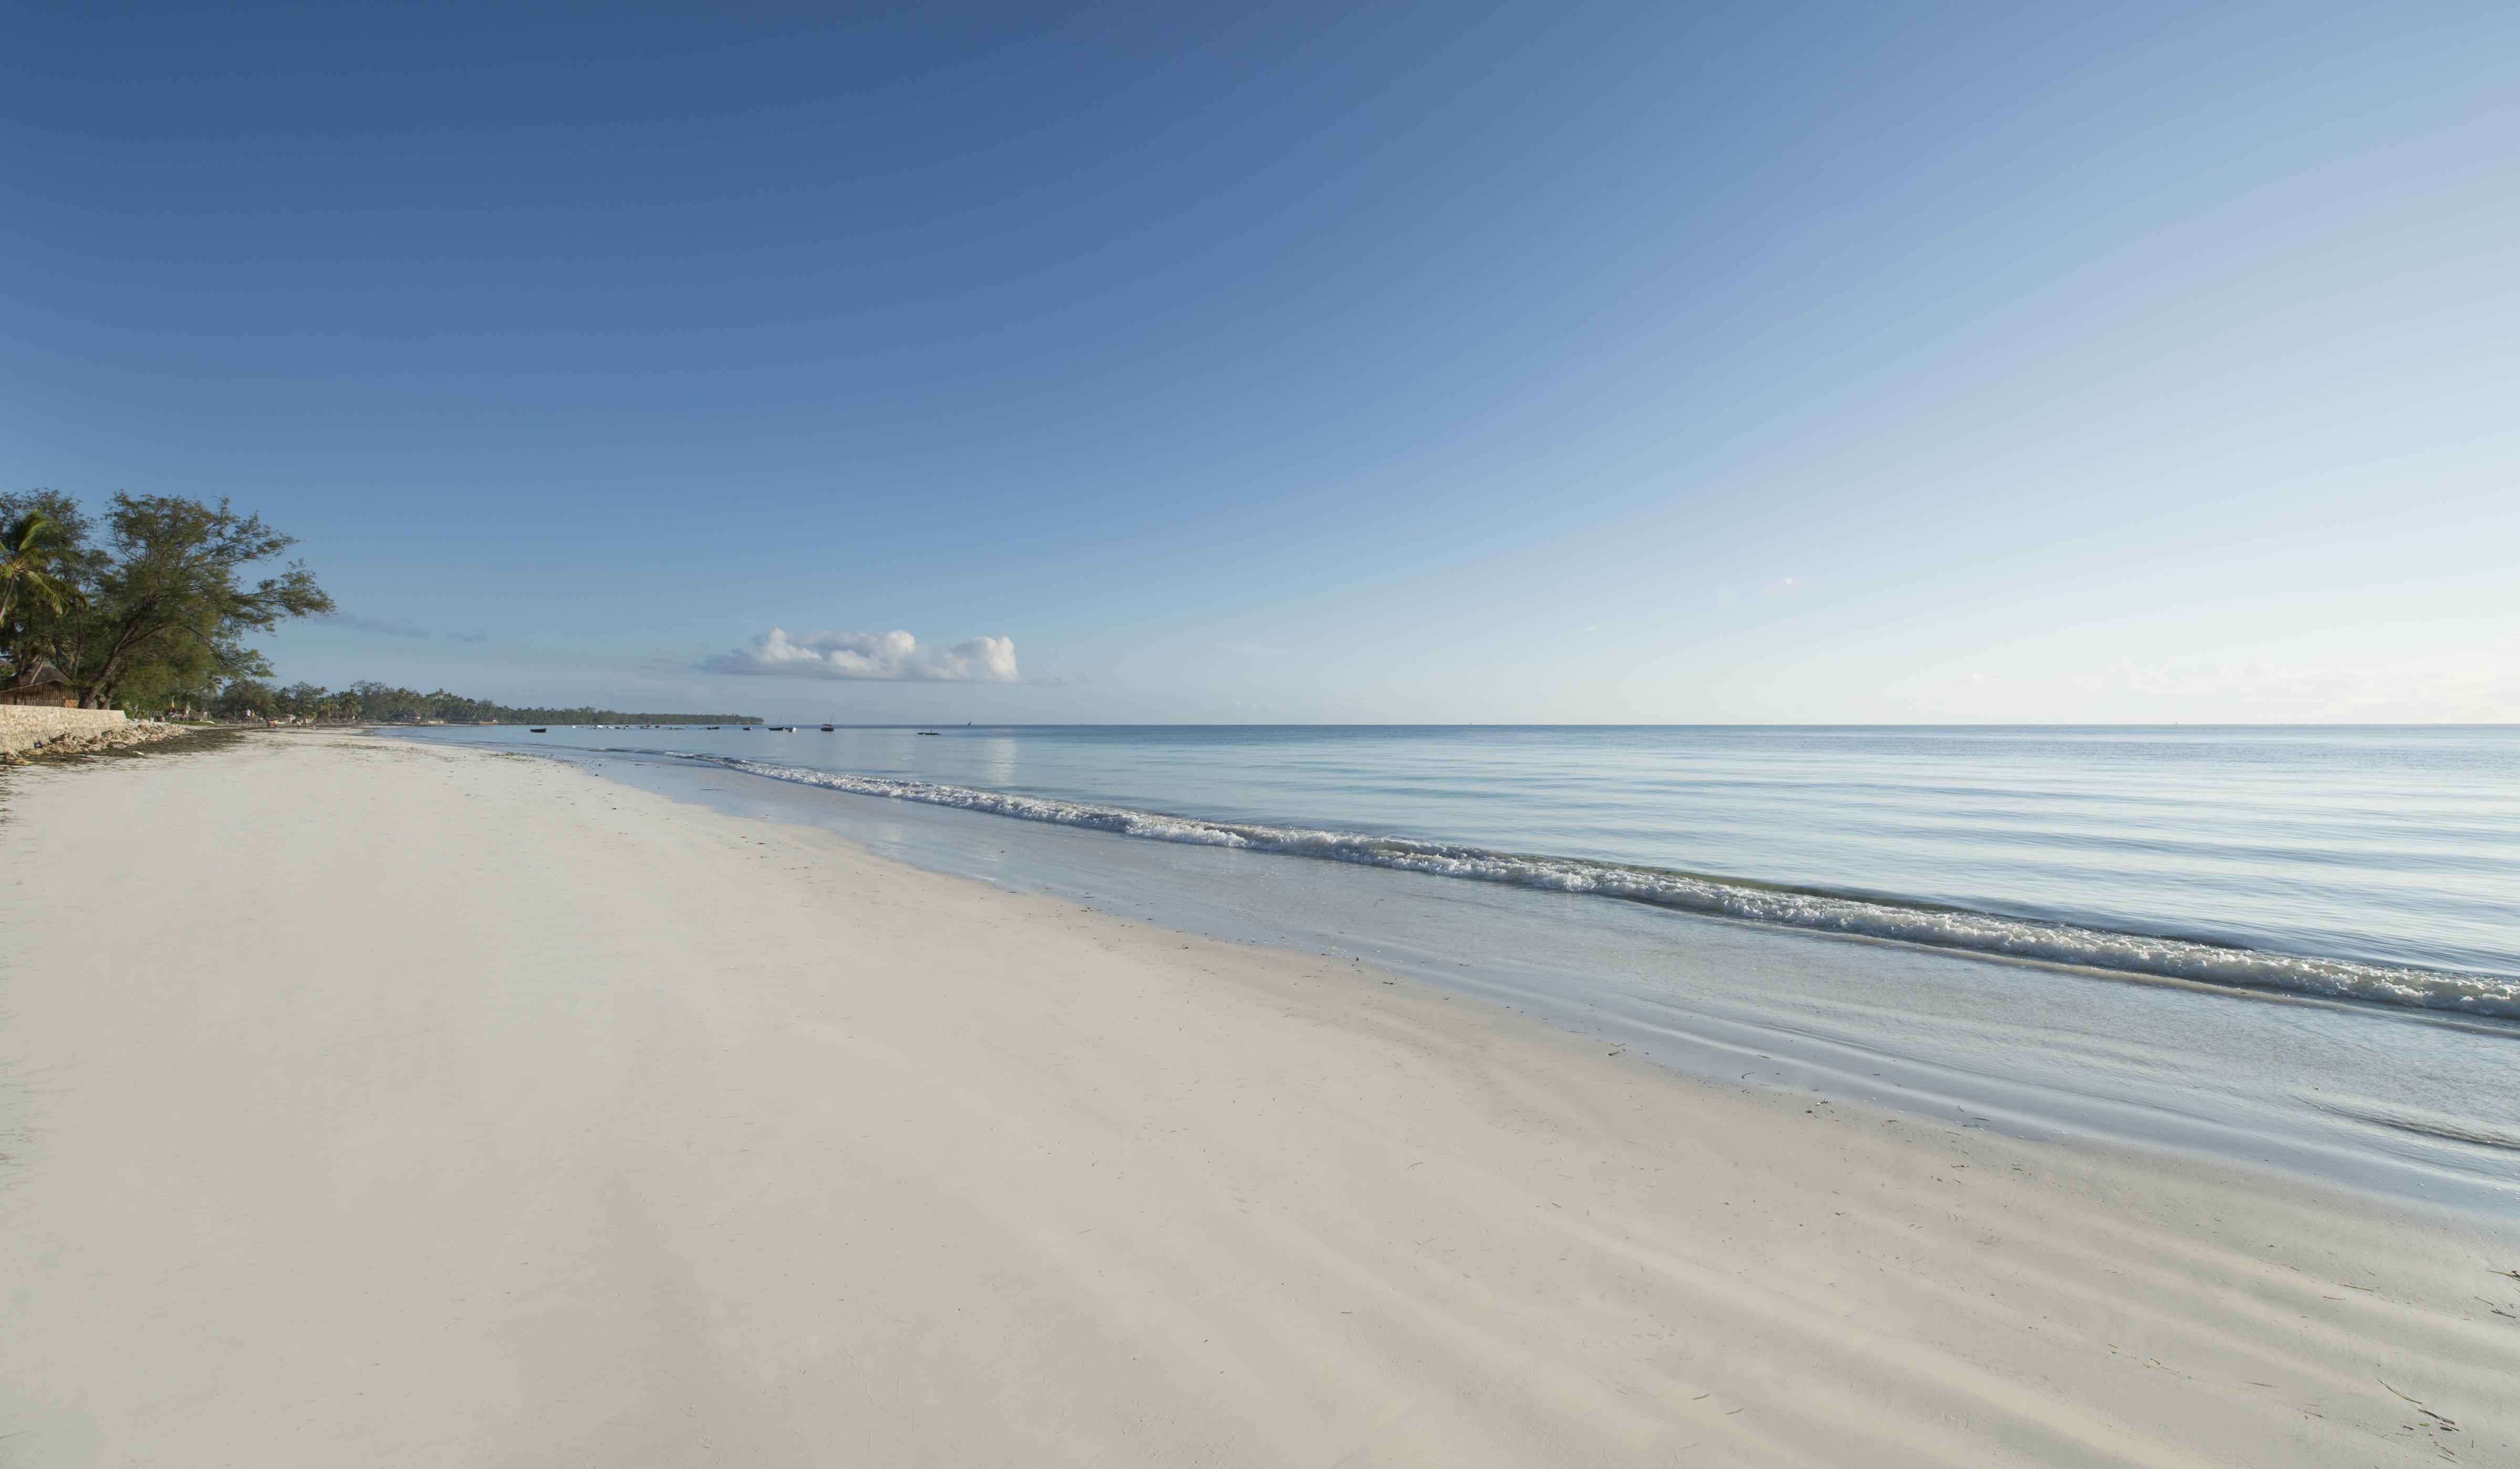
(872, 655)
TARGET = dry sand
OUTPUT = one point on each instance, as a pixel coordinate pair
(379, 1104)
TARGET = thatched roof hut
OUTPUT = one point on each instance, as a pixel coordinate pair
(42, 685)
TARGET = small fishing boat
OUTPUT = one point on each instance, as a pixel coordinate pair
(928, 732)
(541, 729)
(827, 729)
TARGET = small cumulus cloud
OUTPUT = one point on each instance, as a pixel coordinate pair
(390, 627)
(893, 655)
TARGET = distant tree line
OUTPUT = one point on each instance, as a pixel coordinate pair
(147, 606)
(371, 702)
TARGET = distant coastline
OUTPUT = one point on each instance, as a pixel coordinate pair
(573, 717)
(588, 717)
(372, 703)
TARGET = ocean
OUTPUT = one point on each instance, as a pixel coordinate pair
(2025, 924)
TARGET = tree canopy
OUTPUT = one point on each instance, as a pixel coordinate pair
(371, 702)
(155, 610)
(31, 545)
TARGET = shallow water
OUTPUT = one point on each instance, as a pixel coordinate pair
(2352, 848)
(2377, 863)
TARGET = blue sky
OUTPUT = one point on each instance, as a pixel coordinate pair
(1551, 363)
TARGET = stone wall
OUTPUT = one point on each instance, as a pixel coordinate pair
(32, 729)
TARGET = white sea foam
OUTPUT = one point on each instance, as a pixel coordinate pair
(1937, 928)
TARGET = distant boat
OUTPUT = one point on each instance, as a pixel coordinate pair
(827, 729)
(928, 732)
(542, 729)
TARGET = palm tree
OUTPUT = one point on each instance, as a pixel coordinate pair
(29, 546)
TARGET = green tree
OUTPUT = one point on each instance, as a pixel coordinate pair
(48, 535)
(31, 548)
(304, 699)
(165, 606)
(246, 698)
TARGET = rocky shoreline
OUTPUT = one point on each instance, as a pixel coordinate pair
(28, 732)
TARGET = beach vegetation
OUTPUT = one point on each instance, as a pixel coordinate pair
(31, 543)
(371, 702)
(150, 604)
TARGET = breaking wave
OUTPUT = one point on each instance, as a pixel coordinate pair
(1936, 927)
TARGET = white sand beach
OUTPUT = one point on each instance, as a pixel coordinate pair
(375, 1103)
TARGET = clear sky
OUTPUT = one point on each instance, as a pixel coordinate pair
(1390, 362)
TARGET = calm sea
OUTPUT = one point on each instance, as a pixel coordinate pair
(2392, 854)
(1809, 908)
